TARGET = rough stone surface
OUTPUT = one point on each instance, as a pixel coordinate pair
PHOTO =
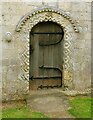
(52, 103)
(11, 13)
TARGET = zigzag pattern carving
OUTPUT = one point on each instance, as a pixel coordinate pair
(44, 15)
(26, 17)
(25, 61)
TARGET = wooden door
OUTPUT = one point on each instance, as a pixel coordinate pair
(46, 51)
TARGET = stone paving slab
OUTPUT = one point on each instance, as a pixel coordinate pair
(52, 103)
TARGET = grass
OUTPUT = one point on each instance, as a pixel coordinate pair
(81, 107)
(23, 112)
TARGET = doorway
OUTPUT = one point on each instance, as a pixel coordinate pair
(46, 56)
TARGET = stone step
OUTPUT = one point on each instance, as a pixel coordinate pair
(51, 102)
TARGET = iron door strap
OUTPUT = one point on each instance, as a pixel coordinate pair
(54, 33)
(47, 77)
(51, 43)
(46, 33)
(47, 86)
(50, 67)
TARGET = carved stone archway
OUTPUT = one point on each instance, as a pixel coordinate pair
(25, 25)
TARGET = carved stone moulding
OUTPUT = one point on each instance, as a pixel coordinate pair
(29, 15)
(28, 21)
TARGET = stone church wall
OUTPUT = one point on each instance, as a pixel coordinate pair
(11, 13)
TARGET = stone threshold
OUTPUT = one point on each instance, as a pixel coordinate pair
(59, 90)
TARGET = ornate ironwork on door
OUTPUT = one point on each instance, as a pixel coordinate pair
(45, 55)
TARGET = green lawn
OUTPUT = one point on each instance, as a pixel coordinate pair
(23, 112)
(81, 107)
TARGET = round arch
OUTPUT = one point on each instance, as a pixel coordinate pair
(25, 25)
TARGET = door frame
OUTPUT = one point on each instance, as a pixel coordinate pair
(25, 25)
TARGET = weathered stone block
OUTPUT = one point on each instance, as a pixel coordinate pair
(66, 6)
(5, 62)
(52, 3)
(81, 6)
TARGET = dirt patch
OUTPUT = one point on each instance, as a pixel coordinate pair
(13, 103)
(53, 104)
